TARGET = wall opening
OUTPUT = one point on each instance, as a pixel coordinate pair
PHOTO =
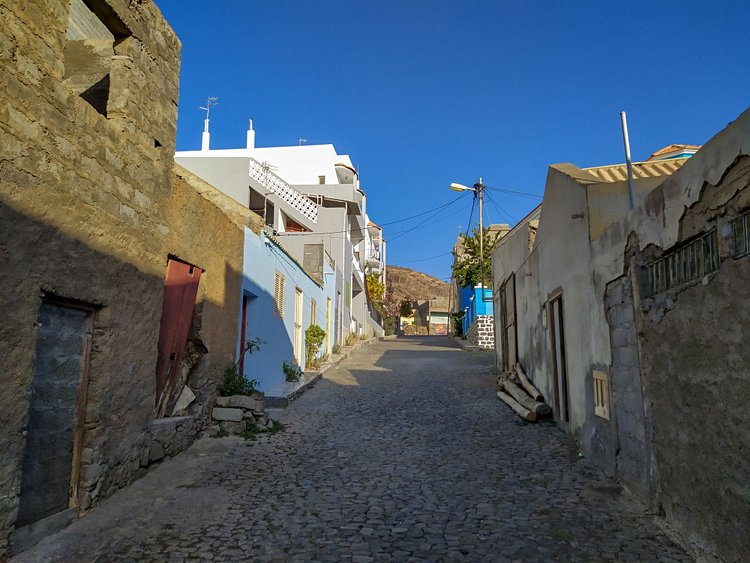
(559, 370)
(298, 302)
(92, 35)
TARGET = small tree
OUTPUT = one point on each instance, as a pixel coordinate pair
(376, 292)
(468, 269)
(458, 325)
(405, 309)
(314, 336)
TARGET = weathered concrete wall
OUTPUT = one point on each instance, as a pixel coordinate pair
(90, 210)
(692, 347)
(696, 367)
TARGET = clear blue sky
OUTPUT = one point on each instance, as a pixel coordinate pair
(424, 93)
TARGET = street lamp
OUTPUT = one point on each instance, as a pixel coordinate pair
(478, 190)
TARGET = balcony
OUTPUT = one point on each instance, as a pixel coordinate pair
(274, 184)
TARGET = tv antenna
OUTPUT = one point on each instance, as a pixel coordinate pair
(301, 141)
(212, 101)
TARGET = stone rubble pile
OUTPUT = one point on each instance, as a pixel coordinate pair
(235, 413)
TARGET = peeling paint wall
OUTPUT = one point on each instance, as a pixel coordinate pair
(692, 348)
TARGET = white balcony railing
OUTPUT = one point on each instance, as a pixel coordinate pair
(262, 174)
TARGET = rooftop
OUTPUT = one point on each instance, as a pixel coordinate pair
(674, 151)
(648, 169)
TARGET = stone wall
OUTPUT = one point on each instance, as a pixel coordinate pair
(90, 211)
(482, 332)
(631, 451)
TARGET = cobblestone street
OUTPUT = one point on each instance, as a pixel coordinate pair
(400, 453)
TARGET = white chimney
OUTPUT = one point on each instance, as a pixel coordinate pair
(250, 136)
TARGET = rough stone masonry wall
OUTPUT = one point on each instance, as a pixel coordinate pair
(90, 209)
(482, 332)
(630, 453)
(695, 363)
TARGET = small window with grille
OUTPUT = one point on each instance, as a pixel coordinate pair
(601, 394)
(687, 263)
(278, 293)
(741, 235)
(313, 312)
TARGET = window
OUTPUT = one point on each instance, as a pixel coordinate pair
(321, 179)
(741, 235)
(278, 293)
(689, 262)
(601, 394)
(313, 311)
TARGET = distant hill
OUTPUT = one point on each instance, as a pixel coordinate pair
(413, 285)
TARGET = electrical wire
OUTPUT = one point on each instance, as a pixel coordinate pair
(471, 214)
(501, 210)
(438, 209)
(514, 192)
(402, 233)
(424, 259)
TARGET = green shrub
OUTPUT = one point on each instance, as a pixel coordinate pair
(292, 371)
(314, 336)
(458, 326)
(351, 339)
(234, 382)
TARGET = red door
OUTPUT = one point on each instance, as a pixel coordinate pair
(180, 291)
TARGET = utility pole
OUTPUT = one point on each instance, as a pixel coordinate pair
(479, 191)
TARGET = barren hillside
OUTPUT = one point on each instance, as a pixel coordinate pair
(413, 285)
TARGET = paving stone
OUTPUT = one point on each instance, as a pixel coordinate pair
(403, 453)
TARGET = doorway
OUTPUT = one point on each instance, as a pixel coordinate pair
(51, 459)
(298, 302)
(559, 371)
(508, 320)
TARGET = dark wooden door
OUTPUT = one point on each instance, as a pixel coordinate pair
(559, 371)
(49, 474)
(508, 318)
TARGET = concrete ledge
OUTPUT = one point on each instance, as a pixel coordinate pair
(466, 345)
(282, 395)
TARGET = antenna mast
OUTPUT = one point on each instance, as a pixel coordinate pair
(212, 101)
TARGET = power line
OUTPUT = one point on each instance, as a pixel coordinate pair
(514, 192)
(443, 208)
(424, 259)
(438, 208)
(500, 209)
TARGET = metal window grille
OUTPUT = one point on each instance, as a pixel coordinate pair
(683, 265)
(741, 235)
(278, 293)
(601, 394)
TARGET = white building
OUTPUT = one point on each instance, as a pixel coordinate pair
(311, 199)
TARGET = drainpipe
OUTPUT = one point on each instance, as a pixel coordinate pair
(628, 162)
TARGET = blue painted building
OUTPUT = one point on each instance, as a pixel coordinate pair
(280, 300)
(474, 306)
